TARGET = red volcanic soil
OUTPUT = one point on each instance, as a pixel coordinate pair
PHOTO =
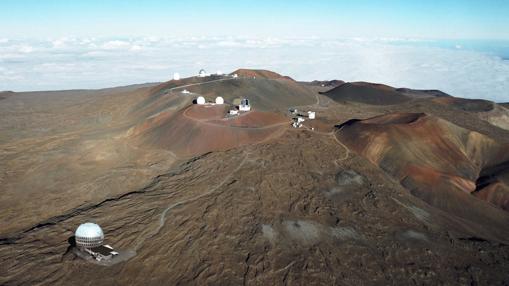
(472, 105)
(436, 160)
(368, 93)
(198, 129)
(496, 193)
(322, 125)
(260, 74)
(206, 112)
(493, 185)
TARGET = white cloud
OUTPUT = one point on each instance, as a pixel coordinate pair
(93, 63)
(26, 49)
(116, 45)
(136, 48)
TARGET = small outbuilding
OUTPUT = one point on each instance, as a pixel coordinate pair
(103, 252)
(219, 100)
(311, 114)
(235, 75)
(185, 91)
(200, 100)
(233, 112)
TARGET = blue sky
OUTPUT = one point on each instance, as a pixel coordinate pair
(444, 19)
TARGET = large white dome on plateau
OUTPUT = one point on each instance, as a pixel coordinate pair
(89, 230)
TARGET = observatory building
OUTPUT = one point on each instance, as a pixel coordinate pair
(219, 100)
(244, 105)
(200, 100)
(176, 76)
(89, 239)
(297, 122)
(89, 235)
(202, 73)
(311, 115)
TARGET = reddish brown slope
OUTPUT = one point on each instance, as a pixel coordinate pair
(198, 129)
(493, 185)
(435, 159)
(472, 105)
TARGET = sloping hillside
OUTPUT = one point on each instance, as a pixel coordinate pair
(259, 74)
(264, 94)
(368, 93)
(436, 160)
(422, 93)
(412, 193)
(471, 105)
(198, 129)
(297, 210)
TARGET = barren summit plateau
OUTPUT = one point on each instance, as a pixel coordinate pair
(384, 186)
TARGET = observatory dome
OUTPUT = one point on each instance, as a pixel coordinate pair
(219, 100)
(200, 100)
(89, 235)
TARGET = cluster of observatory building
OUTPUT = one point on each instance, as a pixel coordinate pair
(244, 102)
(200, 100)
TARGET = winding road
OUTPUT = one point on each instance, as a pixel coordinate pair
(162, 218)
(333, 135)
(164, 213)
(199, 83)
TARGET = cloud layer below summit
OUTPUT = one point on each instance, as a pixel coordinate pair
(71, 63)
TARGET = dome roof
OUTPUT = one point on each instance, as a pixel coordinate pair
(200, 100)
(89, 230)
(219, 100)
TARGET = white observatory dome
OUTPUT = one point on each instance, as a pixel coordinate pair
(176, 76)
(200, 100)
(219, 100)
(89, 235)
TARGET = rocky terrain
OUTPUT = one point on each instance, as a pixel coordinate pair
(386, 186)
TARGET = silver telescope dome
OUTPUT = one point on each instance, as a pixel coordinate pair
(89, 235)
